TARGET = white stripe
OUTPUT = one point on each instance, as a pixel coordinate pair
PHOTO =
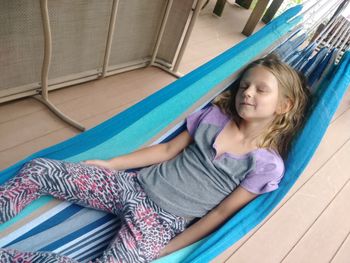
(97, 254)
(92, 236)
(89, 247)
(34, 223)
(58, 250)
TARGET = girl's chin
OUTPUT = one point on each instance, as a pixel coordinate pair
(245, 114)
(252, 117)
(246, 117)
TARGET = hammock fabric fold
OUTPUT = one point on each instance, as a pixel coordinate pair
(140, 123)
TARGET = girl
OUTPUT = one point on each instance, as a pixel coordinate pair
(231, 152)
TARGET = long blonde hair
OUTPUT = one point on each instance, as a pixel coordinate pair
(292, 85)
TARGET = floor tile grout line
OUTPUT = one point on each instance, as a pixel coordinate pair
(316, 219)
(44, 109)
(341, 245)
(70, 99)
(340, 115)
(61, 128)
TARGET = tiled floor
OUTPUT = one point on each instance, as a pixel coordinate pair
(311, 224)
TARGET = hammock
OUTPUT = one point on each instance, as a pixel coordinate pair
(83, 233)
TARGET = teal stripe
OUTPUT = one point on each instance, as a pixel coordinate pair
(27, 211)
(161, 117)
(181, 254)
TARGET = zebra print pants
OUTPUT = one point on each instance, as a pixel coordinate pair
(146, 227)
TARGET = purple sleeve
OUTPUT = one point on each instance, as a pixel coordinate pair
(194, 119)
(267, 174)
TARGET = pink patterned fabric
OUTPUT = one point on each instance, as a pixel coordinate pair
(146, 228)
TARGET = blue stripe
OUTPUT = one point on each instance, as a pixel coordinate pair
(57, 244)
(38, 203)
(51, 222)
(91, 239)
(94, 253)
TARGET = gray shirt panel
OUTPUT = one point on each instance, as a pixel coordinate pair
(193, 182)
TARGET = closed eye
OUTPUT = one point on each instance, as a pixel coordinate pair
(263, 90)
(243, 86)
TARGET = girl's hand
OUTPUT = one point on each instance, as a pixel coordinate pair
(100, 163)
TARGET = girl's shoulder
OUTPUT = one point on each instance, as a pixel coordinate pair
(211, 114)
(269, 160)
(267, 174)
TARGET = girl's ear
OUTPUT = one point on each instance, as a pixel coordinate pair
(284, 106)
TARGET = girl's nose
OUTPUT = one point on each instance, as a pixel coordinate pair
(248, 92)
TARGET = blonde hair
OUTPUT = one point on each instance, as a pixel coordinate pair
(292, 85)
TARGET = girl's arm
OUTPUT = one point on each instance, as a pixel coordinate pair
(232, 203)
(148, 155)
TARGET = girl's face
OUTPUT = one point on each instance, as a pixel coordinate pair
(258, 96)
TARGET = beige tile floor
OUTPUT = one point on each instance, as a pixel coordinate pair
(311, 224)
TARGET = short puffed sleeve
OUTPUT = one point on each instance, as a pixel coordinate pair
(194, 119)
(266, 176)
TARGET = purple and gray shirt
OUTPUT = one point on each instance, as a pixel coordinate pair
(196, 180)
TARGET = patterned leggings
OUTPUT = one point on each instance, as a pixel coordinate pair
(146, 227)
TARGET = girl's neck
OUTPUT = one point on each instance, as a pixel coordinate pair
(250, 132)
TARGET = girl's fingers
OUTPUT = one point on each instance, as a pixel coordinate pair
(89, 162)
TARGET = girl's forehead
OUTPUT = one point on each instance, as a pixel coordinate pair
(260, 75)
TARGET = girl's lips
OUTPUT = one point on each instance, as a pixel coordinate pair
(243, 103)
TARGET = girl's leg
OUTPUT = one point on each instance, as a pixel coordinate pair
(12, 255)
(75, 182)
(145, 230)
(146, 227)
